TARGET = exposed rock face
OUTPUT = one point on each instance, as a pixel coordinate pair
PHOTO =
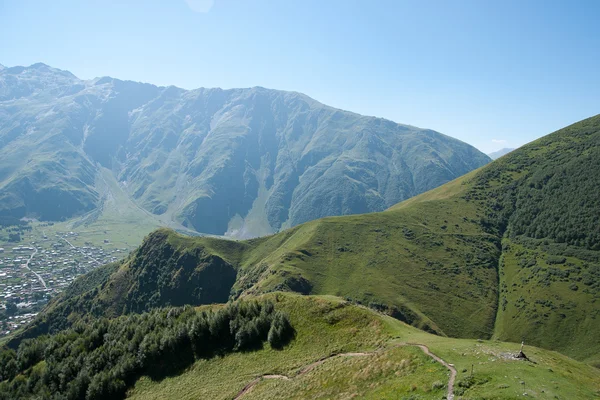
(242, 162)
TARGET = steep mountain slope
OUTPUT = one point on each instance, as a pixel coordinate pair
(497, 154)
(242, 162)
(510, 251)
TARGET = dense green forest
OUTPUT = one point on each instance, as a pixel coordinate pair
(548, 189)
(101, 360)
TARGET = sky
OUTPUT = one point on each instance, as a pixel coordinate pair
(491, 73)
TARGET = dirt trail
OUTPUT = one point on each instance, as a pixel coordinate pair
(26, 265)
(450, 367)
(310, 367)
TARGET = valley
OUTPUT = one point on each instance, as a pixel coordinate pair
(40, 267)
(62, 251)
(397, 302)
(280, 200)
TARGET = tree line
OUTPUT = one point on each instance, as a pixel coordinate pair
(103, 359)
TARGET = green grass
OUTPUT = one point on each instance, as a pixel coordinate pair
(396, 258)
(547, 304)
(326, 325)
(400, 372)
(550, 375)
(369, 258)
(323, 327)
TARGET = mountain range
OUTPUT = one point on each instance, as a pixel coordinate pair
(510, 251)
(484, 287)
(239, 162)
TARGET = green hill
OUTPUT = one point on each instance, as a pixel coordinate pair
(384, 366)
(510, 251)
(338, 350)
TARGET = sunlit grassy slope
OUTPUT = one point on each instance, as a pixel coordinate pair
(326, 325)
(510, 251)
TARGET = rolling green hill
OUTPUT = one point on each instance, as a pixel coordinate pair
(338, 350)
(241, 162)
(510, 251)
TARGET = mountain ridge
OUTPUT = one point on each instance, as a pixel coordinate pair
(258, 160)
(473, 258)
(499, 153)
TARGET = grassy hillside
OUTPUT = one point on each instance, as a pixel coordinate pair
(339, 350)
(509, 251)
(102, 359)
(326, 326)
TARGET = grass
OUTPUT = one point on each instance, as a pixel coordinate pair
(396, 258)
(323, 327)
(327, 325)
(548, 304)
(550, 375)
(401, 372)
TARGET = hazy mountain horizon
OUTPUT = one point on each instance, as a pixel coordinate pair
(239, 162)
(499, 153)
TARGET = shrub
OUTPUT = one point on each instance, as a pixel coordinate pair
(437, 385)
(555, 260)
(573, 287)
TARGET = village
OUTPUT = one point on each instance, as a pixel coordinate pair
(32, 273)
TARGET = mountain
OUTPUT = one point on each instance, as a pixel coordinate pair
(240, 162)
(510, 251)
(497, 154)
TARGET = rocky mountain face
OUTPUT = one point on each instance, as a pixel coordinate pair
(240, 162)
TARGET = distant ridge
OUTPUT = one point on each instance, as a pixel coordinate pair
(497, 154)
(239, 162)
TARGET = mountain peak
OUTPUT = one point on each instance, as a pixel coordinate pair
(103, 80)
(39, 65)
(36, 69)
(497, 154)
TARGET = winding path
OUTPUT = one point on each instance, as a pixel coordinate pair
(26, 265)
(310, 367)
(450, 367)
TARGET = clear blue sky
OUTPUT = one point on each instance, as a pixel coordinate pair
(492, 73)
